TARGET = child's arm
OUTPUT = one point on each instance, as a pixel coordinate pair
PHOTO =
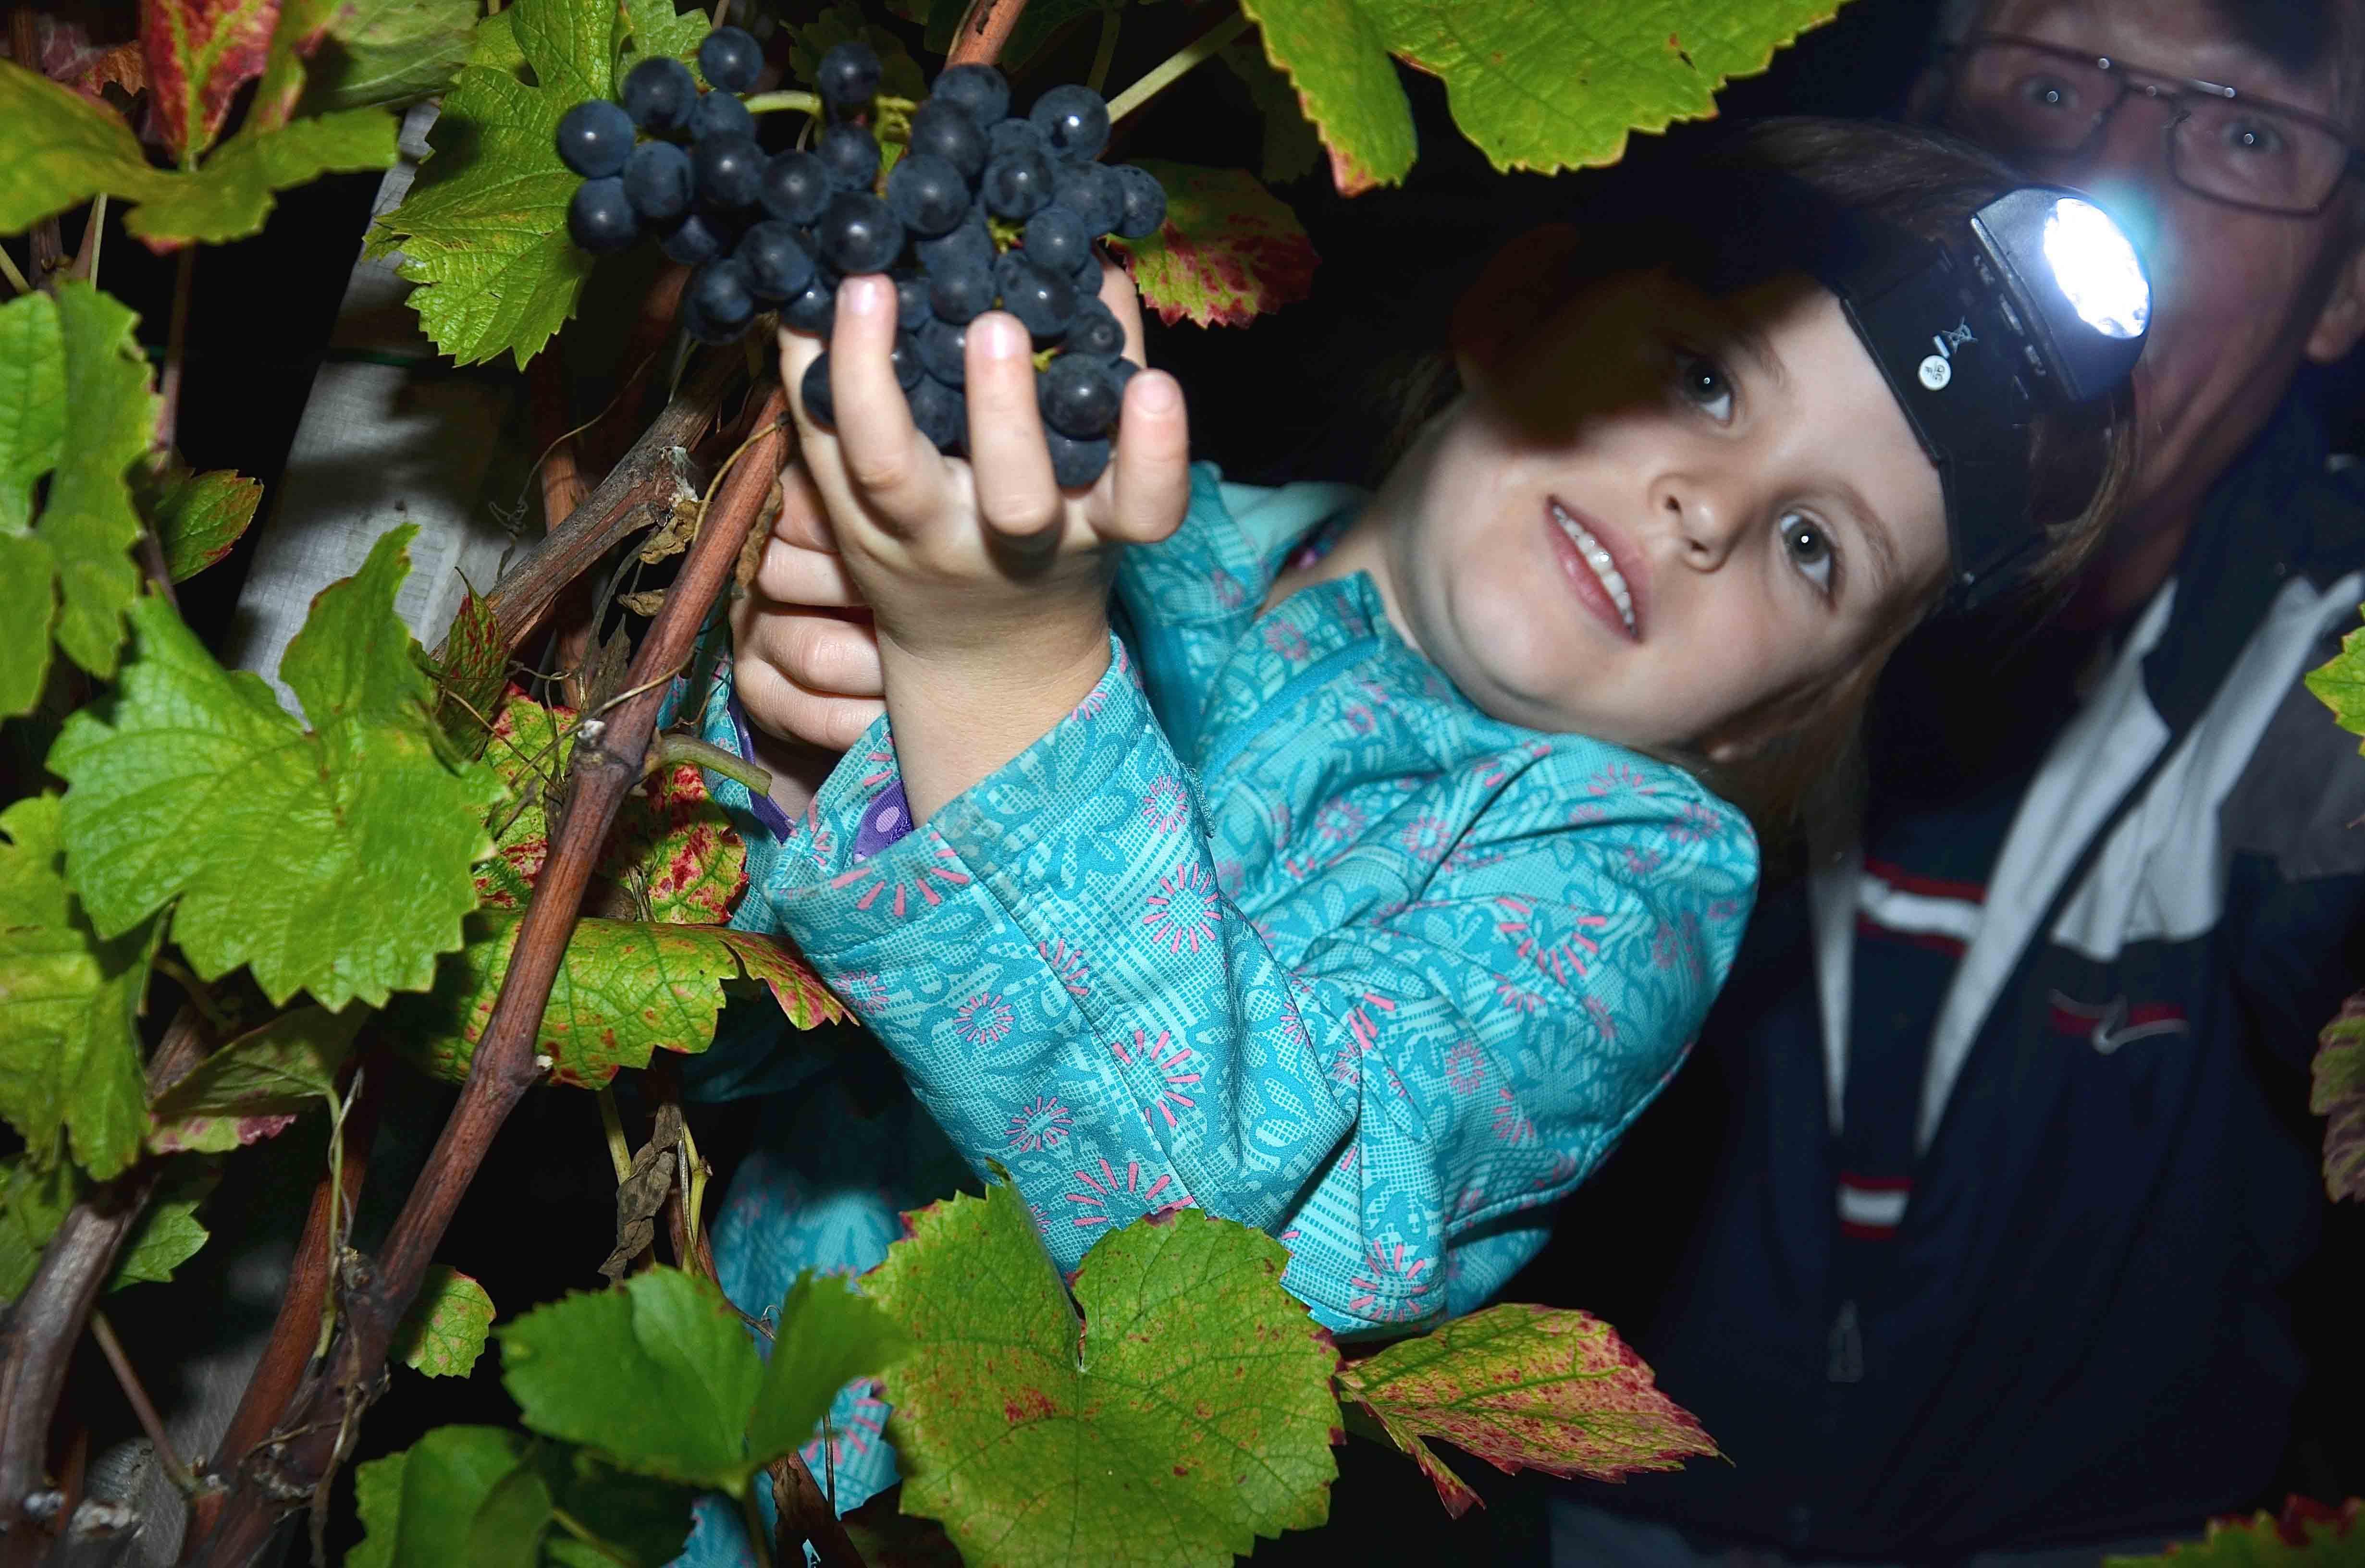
(987, 584)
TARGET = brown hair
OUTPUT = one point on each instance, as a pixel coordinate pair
(1801, 780)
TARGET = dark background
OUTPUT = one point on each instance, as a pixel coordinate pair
(1297, 393)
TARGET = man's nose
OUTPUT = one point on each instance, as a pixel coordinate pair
(2125, 169)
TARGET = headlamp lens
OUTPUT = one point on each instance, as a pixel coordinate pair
(2096, 267)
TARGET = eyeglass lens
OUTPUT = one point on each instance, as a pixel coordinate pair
(2035, 102)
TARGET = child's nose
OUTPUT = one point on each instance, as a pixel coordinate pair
(1703, 517)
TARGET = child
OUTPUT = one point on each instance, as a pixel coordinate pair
(1366, 894)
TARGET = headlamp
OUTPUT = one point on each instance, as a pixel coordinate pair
(2041, 303)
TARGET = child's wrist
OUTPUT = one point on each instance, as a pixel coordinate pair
(956, 719)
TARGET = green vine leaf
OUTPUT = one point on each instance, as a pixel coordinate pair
(34, 1197)
(66, 148)
(1228, 253)
(1188, 1413)
(1292, 148)
(196, 777)
(2338, 1092)
(444, 1331)
(2308, 1535)
(70, 1002)
(659, 1377)
(198, 517)
(485, 1496)
(390, 53)
(484, 231)
(2340, 684)
(1539, 87)
(419, 1508)
(624, 990)
(254, 1086)
(1524, 1388)
(200, 52)
(168, 1235)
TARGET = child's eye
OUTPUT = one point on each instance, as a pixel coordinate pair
(1703, 384)
(1809, 547)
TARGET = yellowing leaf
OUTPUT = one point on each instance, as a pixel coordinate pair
(444, 1331)
(1335, 53)
(1188, 1413)
(1230, 250)
(1524, 1388)
(333, 861)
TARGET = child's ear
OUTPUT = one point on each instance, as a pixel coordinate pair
(1520, 286)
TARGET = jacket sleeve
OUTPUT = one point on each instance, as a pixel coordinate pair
(1069, 992)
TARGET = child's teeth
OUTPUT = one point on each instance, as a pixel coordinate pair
(1598, 559)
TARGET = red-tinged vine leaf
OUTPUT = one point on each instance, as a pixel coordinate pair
(334, 860)
(624, 990)
(660, 1378)
(444, 1331)
(1228, 253)
(2338, 1093)
(197, 517)
(70, 1004)
(674, 852)
(2307, 1534)
(1185, 1414)
(63, 50)
(65, 149)
(254, 1086)
(471, 670)
(484, 231)
(200, 52)
(529, 748)
(1524, 1388)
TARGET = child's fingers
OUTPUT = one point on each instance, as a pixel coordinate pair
(892, 469)
(1017, 496)
(1151, 482)
(826, 653)
(789, 574)
(804, 519)
(779, 708)
(1117, 294)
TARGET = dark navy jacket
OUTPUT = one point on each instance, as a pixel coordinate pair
(2071, 1324)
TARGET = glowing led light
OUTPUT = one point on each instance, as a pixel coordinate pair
(2097, 268)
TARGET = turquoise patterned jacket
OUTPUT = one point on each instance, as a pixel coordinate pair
(1279, 924)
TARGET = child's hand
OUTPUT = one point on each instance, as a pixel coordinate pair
(984, 569)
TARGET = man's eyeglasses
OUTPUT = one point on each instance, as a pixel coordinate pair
(2029, 99)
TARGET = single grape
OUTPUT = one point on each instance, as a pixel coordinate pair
(730, 171)
(1094, 329)
(927, 193)
(776, 263)
(963, 294)
(1056, 241)
(696, 325)
(940, 412)
(720, 114)
(911, 308)
(796, 188)
(944, 351)
(814, 390)
(849, 75)
(599, 216)
(1087, 275)
(1075, 120)
(659, 182)
(1009, 135)
(1145, 201)
(905, 360)
(859, 233)
(968, 245)
(850, 154)
(721, 288)
(1090, 191)
(1125, 370)
(1077, 395)
(700, 237)
(1044, 302)
(658, 93)
(814, 310)
(947, 130)
(594, 139)
(1017, 184)
(979, 89)
(730, 59)
(1076, 463)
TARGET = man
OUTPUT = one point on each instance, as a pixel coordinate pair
(2016, 1166)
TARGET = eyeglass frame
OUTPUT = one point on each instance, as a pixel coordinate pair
(2186, 87)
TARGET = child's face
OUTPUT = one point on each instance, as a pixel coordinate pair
(1656, 515)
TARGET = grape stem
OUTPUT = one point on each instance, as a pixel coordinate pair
(771, 103)
(1098, 78)
(1168, 70)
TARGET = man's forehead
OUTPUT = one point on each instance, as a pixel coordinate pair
(2185, 37)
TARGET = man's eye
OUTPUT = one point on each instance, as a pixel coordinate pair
(1809, 547)
(2255, 137)
(1703, 385)
(2046, 92)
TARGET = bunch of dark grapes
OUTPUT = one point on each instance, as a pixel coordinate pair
(984, 210)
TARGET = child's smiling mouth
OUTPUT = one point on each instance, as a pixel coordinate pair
(1601, 572)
